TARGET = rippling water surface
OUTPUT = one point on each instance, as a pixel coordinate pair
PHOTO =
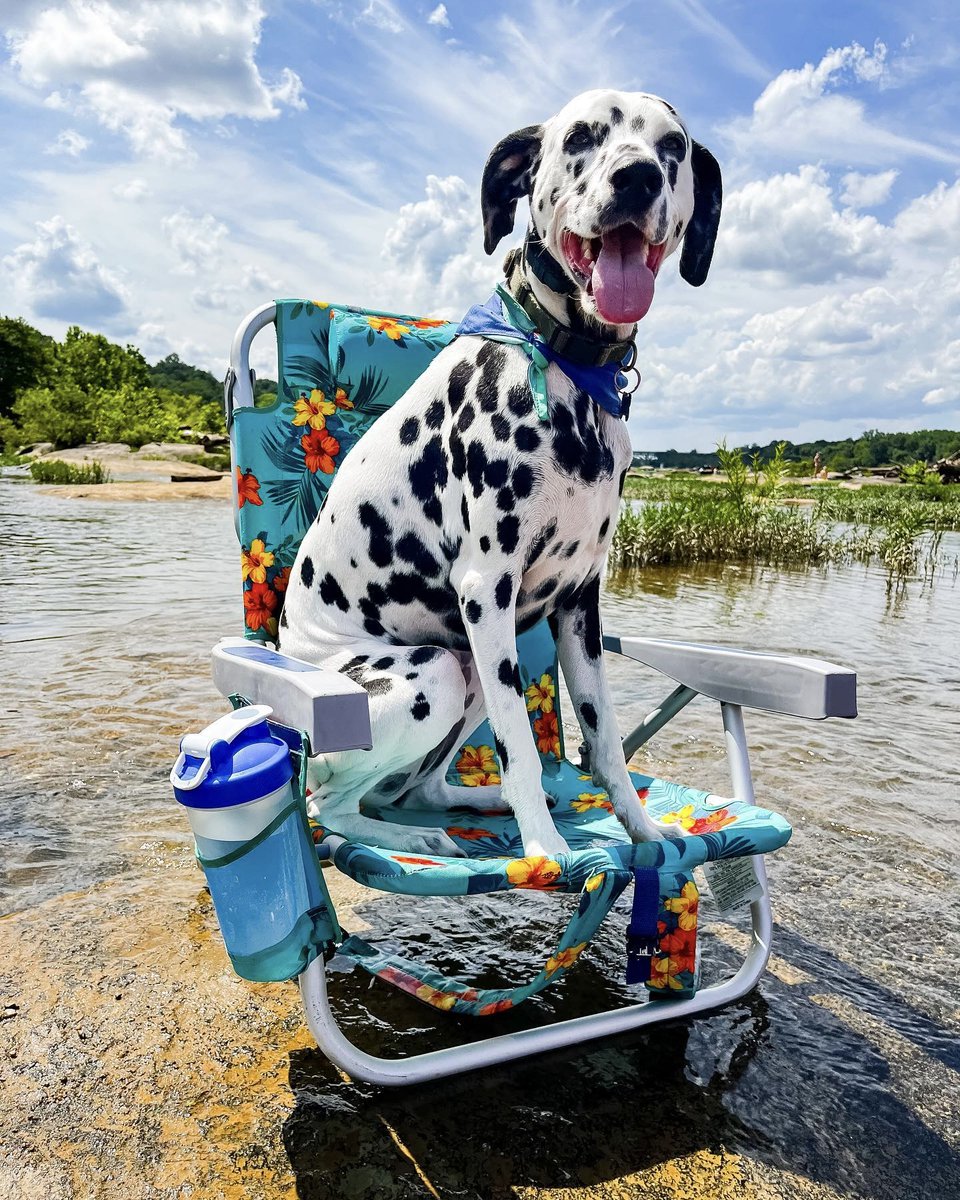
(848, 1048)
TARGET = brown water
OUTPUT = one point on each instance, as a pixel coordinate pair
(844, 1064)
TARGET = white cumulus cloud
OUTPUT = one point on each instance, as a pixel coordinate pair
(867, 191)
(439, 17)
(59, 275)
(195, 240)
(69, 142)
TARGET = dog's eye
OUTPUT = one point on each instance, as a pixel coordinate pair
(578, 139)
(673, 145)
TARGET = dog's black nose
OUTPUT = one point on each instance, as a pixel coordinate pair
(638, 182)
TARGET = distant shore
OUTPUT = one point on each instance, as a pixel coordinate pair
(143, 474)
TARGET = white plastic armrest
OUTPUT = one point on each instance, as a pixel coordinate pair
(780, 683)
(332, 709)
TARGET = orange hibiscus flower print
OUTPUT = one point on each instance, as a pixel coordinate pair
(564, 959)
(281, 579)
(664, 972)
(497, 1006)
(260, 607)
(468, 835)
(342, 400)
(548, 734)
(254, 562)
(388, 325)
(428, 322)
(248, 488)
(320, 449)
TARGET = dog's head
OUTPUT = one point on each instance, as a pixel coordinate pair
(616, 184)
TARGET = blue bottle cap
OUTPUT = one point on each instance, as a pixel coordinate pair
(235, 760)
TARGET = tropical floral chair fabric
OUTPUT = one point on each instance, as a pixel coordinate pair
(339, 368)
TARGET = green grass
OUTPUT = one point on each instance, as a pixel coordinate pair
(743, 519)
(63, 472)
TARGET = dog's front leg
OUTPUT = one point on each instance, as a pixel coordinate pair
(580, 646)
(488, 604)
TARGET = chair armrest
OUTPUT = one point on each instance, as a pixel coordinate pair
(780, 683)
(329, 707)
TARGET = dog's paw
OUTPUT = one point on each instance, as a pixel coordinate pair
(654, 831)
(427, 841)
(546, 846)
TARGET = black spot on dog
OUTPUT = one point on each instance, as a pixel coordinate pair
(496, 472)
(672, 170)
(679, 229)
(519, 400)
(540, 544)
(283, 618)
(428, 475)
(450, 548)
(434, 415)
(589, 714)
(332, 593)
(589, 605)
(457, 387)
(578, 168)
(425, 654)
(383, 664)
(412, 550)
(522, 480)
(484, 543)
(600, 131)
(581, 188)
(503, 591)
(354, 667)
(637, 124)
(545, 589)
(377, 687)
(476, 466)
(409, 431)
(500, 426)
(488, 393)
(439, 755)
(353, 563)
(526, 438)
(616, 115)
(502, 754)
(373, 627)
(556, 191)
(465, 420)
(395, 500)
(571, 550)
(505, 499)
(421, 707)
(603, 528)
(623, 480)
(465, 513)
(505, 672)
(540, 205)
(508, 533)
(473, 611)
(306, 571)
(458, 455)
(381, 542)
(411, 675)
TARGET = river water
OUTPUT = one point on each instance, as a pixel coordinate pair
(842, 1067)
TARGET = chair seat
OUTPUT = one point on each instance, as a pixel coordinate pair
(714, 828)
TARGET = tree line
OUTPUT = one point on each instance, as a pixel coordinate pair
(89, 389)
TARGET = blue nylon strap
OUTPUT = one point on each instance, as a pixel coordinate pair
(642, 930)
(501, 319)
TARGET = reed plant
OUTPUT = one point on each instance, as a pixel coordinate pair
(56, 471)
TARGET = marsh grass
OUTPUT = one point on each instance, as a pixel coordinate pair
(743, 519)
(64, 472)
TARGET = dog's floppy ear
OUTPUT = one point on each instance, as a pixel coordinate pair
(506, 178)
(702, 230)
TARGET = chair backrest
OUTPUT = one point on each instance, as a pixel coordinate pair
(338, 369)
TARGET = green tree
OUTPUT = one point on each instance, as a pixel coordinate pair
(94, 363)
(26, 360)
(63, 415)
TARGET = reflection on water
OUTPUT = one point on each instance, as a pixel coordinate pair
(108, 613)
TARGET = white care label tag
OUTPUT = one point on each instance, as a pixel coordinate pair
(733, 882)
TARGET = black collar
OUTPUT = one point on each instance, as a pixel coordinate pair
(587, 350)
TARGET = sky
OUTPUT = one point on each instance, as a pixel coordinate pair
(168, 165)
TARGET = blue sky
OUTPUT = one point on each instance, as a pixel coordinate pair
(170, 164)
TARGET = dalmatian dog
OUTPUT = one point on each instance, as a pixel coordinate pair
(461, 518)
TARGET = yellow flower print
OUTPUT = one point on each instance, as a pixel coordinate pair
(685, 905)
(388, 325)
(432, 995)
(664, 972)
(254, 562)
(535, 872)
(595, 881)
(477, 766)
(313, 410)
(541, 695)
(684, 817)
(587, 800)
(565, 959)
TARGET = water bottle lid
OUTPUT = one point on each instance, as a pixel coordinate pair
(232, 761)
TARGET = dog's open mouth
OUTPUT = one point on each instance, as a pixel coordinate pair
(617, 269)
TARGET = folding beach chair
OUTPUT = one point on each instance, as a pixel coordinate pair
(350, 364)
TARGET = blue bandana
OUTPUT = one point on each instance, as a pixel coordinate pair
(502, 319)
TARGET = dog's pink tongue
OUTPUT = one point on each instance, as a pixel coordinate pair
(622, 281)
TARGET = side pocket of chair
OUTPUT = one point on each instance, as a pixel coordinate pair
(675, 970)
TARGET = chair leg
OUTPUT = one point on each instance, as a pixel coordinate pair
(455, 1060)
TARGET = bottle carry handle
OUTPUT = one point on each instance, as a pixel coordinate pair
(223, 731)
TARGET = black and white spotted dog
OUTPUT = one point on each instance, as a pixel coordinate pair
(461, 519)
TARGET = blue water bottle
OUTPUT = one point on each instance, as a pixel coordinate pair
(235, 780)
